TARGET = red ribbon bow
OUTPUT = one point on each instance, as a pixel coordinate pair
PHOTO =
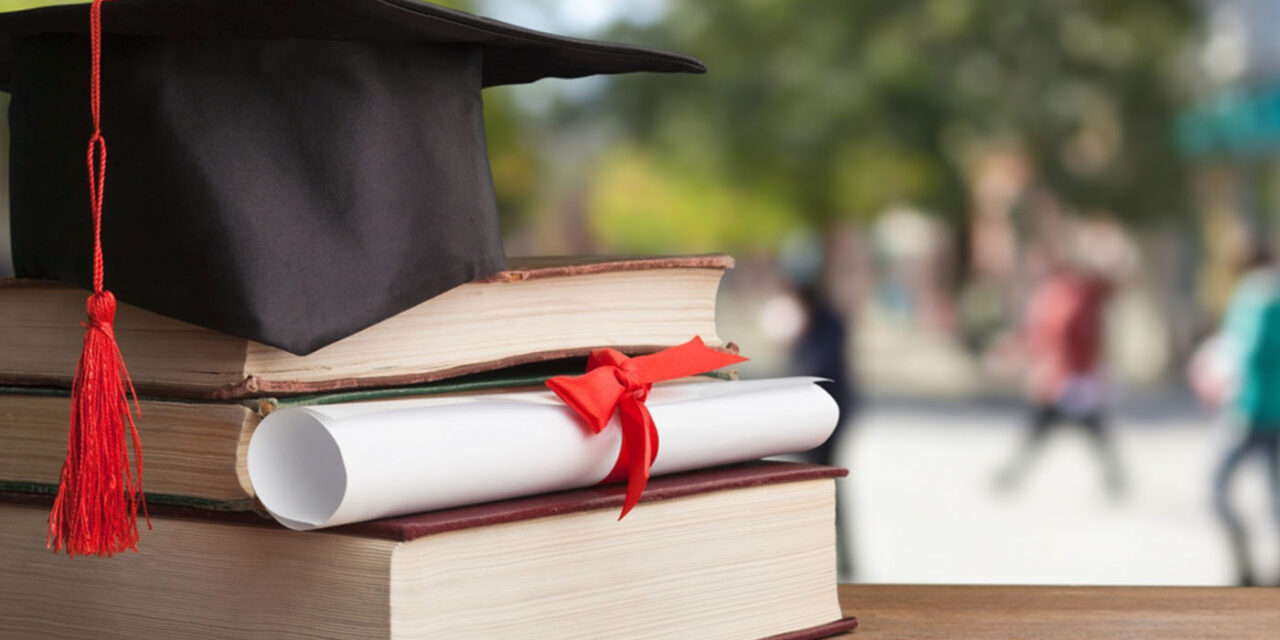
(615, 382)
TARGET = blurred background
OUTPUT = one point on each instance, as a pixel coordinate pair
(1007, 228)
(1029, 242)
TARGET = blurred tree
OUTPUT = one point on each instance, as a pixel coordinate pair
(513, 157)
(828, 110)
(512, 145)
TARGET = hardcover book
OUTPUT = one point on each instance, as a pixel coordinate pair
(539, 309)
(196, 451)
(736, 552)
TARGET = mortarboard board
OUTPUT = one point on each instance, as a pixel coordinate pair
(289, 171)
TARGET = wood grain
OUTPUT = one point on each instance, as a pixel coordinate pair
(925, 612)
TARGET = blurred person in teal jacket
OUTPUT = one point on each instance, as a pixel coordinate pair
(1251, 341)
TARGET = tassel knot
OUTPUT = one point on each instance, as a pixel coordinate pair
(102, 310)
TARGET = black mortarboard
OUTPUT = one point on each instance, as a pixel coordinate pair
(289, 171)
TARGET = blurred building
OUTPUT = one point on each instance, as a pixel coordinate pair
(1232, 134)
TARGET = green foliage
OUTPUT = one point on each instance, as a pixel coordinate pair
(831, 109)
(22, 5)
(513, 157)
(639, 205)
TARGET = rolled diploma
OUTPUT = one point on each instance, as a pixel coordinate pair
(323, 466)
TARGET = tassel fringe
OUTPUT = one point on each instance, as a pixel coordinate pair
(96, 511)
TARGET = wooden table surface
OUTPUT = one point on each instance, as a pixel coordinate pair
(1051, 613)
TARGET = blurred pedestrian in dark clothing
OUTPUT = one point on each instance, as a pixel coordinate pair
(1064, 340)
(1251, 338)
(822, 350)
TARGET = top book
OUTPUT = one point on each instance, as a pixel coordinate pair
(538, 309)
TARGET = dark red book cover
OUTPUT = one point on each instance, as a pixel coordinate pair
(411, 527)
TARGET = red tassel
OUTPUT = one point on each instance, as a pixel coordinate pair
(96, 511)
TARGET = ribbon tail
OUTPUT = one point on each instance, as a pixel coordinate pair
(639, 446)
(688, 359)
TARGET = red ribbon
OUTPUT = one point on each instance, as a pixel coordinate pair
(615, 382)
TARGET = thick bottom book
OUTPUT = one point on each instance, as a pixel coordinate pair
(732, 553)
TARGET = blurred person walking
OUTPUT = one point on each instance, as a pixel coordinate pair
(822, 350)
(1064, 341)
(813, 265)
(1250, 339)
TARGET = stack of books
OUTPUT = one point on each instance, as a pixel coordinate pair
(734, 551)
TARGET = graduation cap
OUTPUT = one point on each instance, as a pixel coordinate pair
(288, 171)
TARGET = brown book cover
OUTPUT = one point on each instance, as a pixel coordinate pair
(538, 309)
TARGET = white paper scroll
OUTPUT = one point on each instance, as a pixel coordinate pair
(329, 465)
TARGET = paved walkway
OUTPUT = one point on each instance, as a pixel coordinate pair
(925, 509)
